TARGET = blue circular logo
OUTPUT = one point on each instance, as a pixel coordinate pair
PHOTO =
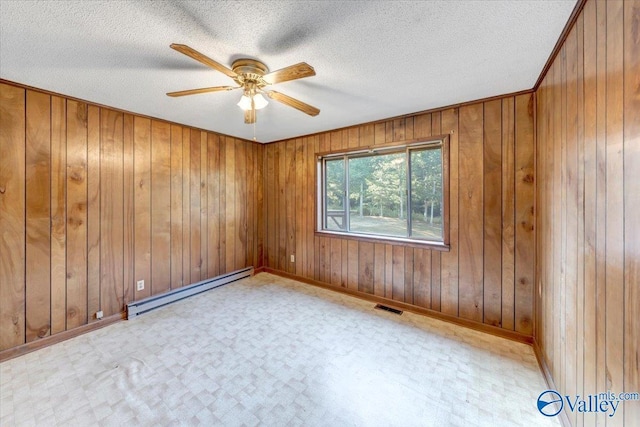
(546, 402)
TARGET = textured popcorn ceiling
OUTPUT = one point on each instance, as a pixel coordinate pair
(373, 60)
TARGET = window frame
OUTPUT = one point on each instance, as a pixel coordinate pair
(388, 148)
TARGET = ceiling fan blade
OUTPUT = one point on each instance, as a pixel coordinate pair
(292, 102)
(201, 90)
(250, 116)
(293, 72)
(183, 48)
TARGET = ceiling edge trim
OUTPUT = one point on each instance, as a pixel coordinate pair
(417, 113)
(120, 110)
(563, 36)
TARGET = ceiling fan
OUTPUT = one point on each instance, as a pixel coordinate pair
(252, 77)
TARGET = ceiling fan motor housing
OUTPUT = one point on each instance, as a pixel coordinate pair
(250, 71)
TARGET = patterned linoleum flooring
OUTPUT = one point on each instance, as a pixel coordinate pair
(272, 351)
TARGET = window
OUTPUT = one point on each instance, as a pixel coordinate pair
(390, 193)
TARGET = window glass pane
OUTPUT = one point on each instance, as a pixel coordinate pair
(377, 194)
(335, 214)
(426, 194)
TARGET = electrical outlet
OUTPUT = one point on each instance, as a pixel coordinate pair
(99, 315)
(293, 258)
(140, 285)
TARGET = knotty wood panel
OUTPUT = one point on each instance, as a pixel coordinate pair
(589, 200)
(93, 211)
(230, 205)
(204, 222)
(631, 137)
(482, 142)
(128, 245)
(470, 216)
(250, 197)
(213, 239)
(186, 206)
(508, 211)
(289, 192)
(259, 212)
(160, 206)
(524, 256)
(614, 259)
(112, 212)
(449, 279)
(436, 256)
(96, 199)
(58, 214)
(571, 199)
(365, 266)
(422, 278)
(241, 201)
(76, 214)
(142, 194)
(176, 207)
(223, 203)
(38, 238)
(492, 212)
(12, 212)
(352, 264)
(298, 208)
(588, 127)
(195, 226)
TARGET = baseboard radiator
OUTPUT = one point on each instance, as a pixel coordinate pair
(137, 308)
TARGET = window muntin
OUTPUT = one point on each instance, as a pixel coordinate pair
(390, 192)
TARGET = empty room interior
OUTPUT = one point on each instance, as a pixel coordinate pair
(320, 213)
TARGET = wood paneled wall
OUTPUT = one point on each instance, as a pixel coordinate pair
(487, 276)
(93, 199)
(588, 265)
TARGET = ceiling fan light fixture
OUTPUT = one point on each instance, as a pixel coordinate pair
(245, 103)
(251, 76)
(259, 102)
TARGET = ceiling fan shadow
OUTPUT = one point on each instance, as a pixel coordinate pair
(178, 15)
(311, 21)
(334, 93)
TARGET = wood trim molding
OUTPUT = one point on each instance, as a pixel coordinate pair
(563, 36)
(48, 92)
(503, 333)
(384, 239)
(59, 337)
(546, 373)
(417, 113)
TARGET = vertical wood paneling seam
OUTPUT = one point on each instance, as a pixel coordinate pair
(66, 203)
(50, 212)
(484, 216)
(133, 209)
(604, 303)
(457, 266)
(124, 216)
(515, 220)
(534, 317)
(501, 207)
(151, 145)
(484, 172)
(24, 221)
(99, 207)
(170, 210)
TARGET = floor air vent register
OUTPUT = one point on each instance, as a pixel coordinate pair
(389, 309)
